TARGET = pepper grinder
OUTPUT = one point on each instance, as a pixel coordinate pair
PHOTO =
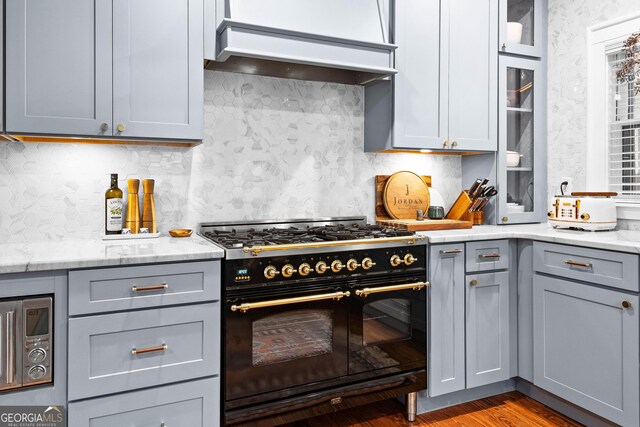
(148, 206)
(133, 206)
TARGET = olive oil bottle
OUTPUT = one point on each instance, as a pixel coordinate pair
(113, 207)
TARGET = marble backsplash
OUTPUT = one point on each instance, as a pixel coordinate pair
(273, 148)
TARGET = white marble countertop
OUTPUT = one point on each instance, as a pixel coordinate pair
(82, 253)
(621, 240)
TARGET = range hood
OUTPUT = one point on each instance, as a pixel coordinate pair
(329, 40)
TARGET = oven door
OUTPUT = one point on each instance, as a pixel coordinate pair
(388, 326)
(279, 340)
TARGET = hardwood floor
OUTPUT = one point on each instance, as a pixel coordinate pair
(510, 410)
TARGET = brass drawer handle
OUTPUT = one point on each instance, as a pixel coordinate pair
(285, 301)
(489, 256)
(451, 252)
(473, 282)
(626, 304)
(136, 351)
(149, 288)
(579, 264)
(414, 286)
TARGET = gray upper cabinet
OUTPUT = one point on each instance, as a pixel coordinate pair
(487, 319)
(119, 68)
(522, 27)
(586, 347)
(435, 102)
(58, 67)
(158, 75)
(447, 342)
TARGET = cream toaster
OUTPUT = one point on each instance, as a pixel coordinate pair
(584, 210)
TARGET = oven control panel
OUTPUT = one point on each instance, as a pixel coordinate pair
(338, 265)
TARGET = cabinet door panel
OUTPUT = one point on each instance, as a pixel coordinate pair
(58, 68)
(586, 347)
(446, 361)
(487, 319)
(421, 84)
(158, 72)
(473, 70)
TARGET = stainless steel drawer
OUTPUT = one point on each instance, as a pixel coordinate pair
(190, 404)
(123, 288)
(487, 255)
(124, 351)
(615, 269)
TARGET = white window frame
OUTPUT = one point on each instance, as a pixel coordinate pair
(602, 39)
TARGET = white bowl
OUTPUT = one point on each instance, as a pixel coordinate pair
(514, 32)
(513, 159)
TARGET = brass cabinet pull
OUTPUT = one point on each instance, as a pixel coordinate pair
(579, 264)
(255, 250)
(121, 127)
(454, 144)
(414, 286)
(104, 127)
(149, 288)
(136, 351)
(451, 252)
(285, 301)
(488, 256)
(626, 304)
(473, 282)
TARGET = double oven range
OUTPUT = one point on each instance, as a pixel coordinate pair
(319, 316)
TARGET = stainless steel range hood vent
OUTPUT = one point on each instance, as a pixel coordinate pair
(343, 41)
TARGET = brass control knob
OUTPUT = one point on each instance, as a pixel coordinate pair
(550, 214)
(409, 259)
(336, 266)
(585, 216)
(395, 261)
(367, 263)
(304, 269)
(270, 272)
(288, 270)
(352, 264)
(321, 267)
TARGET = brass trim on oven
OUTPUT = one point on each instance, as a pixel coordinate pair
(414, 286)
(285, 301)
(255, 250)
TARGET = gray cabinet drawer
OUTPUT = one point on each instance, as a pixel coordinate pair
(615, 269)
(102, 359)
(191, 404)
(487, 255)
(124, 288)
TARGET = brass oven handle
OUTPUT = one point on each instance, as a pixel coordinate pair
(255, 250)
(415, 286)
(285, 301)
(579, 264)
(11, 346)
(451, 252)
(149, 288)
(486, 256)
(136, 351)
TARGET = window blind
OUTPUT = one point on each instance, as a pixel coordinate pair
(623, 123)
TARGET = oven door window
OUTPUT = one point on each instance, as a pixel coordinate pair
(292, 335)
(385, 321)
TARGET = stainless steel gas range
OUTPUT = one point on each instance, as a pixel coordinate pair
(320, 315)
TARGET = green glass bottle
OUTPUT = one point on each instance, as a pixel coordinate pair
(113, 207)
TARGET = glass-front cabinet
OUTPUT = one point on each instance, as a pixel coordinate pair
(522, 24)
(521, 156)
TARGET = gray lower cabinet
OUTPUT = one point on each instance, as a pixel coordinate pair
(119, 352)
(190, 404)
(123, 68)
(487, 328)
(433, 103)
(586, 347)
(447, 350)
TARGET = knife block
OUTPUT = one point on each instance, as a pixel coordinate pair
(476, 218)
(460, 207)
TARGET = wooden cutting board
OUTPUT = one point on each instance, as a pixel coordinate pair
(404, 194)
(426, 225)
